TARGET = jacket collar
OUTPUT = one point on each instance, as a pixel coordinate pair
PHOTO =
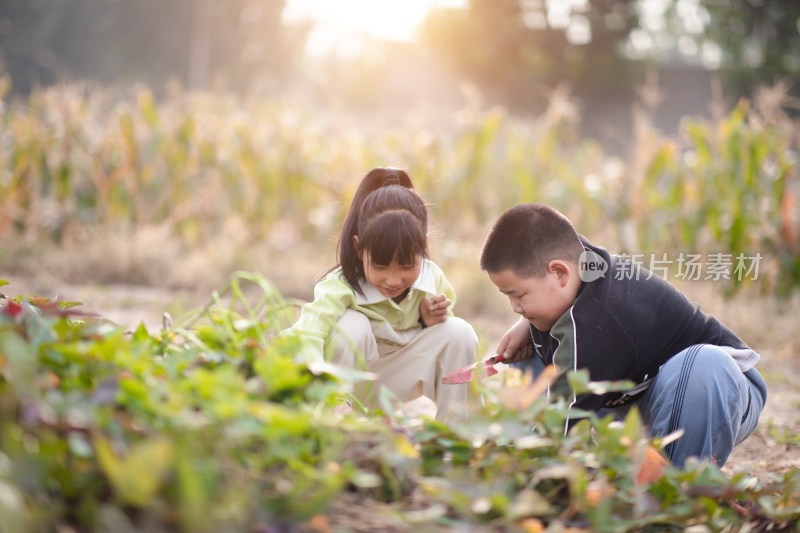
(371, 295)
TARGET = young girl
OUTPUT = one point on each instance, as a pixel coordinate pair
(387, 302)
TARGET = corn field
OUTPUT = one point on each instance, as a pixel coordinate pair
(77, 161)
(209, 424)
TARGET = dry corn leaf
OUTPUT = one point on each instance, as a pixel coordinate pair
(524, 396)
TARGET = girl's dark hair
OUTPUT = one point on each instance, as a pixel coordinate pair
(389, 218)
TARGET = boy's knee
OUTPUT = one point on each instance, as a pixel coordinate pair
(704, 363)
(701, 376)
(715, 355)
(699, 391)
(715, 366)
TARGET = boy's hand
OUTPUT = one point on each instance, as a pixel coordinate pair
(516, 344)
(434, 310)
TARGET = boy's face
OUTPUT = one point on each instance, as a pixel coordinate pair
(540, 299)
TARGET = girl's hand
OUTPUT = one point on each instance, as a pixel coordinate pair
(516, 344)
(434, 310)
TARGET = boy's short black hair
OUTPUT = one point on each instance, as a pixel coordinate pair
(526, 238)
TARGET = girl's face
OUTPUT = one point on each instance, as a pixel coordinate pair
(394, 279)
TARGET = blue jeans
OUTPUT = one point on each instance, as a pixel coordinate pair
(702, 391)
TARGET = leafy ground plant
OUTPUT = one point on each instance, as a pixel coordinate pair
(211, 425)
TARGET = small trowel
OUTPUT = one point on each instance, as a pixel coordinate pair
(463, 375)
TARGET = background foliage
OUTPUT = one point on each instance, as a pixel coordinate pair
(200, 170)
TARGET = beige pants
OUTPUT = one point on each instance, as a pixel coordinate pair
(410, 370)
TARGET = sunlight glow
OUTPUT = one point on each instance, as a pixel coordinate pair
(344, 26)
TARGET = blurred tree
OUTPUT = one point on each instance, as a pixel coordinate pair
(759, 39)
(193, 41)
(510, 46)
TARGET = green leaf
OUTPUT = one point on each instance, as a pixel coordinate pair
(141, 333)
(280, 373)
(68, 305)
(633, 424)
(194, 505)
(342, 373)
(18, 363)
(137, 477)
(580, 382)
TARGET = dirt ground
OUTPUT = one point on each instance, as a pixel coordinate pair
(771, 451)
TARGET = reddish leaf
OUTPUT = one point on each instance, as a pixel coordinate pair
(13, 309)
(652, 467)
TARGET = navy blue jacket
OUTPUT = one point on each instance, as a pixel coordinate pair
(624, 326)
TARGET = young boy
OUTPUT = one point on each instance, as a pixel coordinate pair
(690, 371)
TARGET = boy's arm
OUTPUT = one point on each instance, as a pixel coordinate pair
(516, 344)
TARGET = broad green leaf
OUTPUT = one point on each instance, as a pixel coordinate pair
(633, 424)
(343, 373)
(579, 380)
(280, 373)
(194, 506)
(18, 363)
(136, 477)
(141, 333)
(68, 305)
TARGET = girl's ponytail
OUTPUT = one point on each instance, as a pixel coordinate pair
(375, 179)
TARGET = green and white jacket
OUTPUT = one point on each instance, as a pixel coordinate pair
(392, 322)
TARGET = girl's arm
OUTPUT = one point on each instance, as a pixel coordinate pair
(437, 308)
(332, 296)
